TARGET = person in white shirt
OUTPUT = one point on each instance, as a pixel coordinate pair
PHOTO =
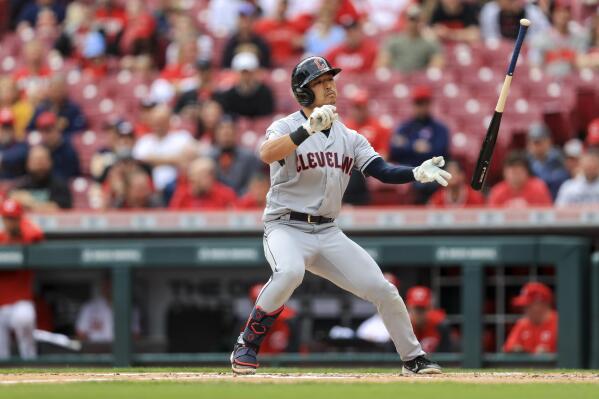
(162, 148)
(583, 188)
(95, 321)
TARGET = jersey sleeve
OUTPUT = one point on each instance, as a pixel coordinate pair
(277, 129)
(364, 154)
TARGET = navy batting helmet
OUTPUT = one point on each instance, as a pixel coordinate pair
(305, 72)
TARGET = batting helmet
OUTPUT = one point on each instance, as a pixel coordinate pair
(305, 72)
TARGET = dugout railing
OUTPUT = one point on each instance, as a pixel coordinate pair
(569, 255)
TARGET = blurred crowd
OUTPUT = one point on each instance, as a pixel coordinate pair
(162, 103)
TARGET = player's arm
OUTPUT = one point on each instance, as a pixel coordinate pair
(429, 171)
(275, 149)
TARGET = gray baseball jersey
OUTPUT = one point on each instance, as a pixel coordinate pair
(313, 179)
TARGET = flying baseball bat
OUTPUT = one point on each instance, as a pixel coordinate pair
(486, 151)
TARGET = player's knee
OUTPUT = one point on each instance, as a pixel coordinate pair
(23, 316)
(291, 277)
(383, 291)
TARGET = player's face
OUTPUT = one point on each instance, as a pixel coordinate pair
(325, 90)
(537, 312)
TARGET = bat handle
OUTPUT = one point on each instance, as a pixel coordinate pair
(524, 24)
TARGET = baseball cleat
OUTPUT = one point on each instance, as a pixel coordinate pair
(420, 365)
(243, 360)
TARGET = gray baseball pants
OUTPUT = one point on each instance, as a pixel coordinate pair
(292, 247)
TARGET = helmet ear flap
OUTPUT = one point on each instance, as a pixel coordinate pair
(304, 96)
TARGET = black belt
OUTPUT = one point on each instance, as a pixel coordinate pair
(304, 217)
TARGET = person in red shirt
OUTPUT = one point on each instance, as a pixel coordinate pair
(139, 29)
(255, 197)
(34, 73)
(356, 54)
(458, 193)
(536, 331)
(518, 188)
(282, 336)
(369, 126)
(284, 36)
(202, 191)
(17, 312)
(430, 325)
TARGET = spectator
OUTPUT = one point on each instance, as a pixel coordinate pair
(77, 24)
(202, 191)
(121, 140)
(410, 51)
(13, 153)
(284, 36)
(362, 121)
(40, 189)
(95, 321)
(255, 196)
(162, 148)
(57, 100)
(572, 151)
(519, 189)
(458, 193)
(383, 14)
(93, 56)
(182, 68)
(143, 122)
(557, 50)
(356, 53)
(245, 40)
(17, 312)
(30, 12)
(583, 188)
(203, 90)
(249, 96)
(65, 160)
(430, 325)
(546, 161)
(500, 19)
(283, 336)
(592, 137)
(325, 34)
(536, 331)
(456, 21)
(33, 74)
(235, 165)
(209, 116)
(138, 33)
(111, 19)
(21, 107)
(590, 59)
(422, 136)
(138, 192)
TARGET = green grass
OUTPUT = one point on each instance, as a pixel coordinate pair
(408, 388)
(167, 390)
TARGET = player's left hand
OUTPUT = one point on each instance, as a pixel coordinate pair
(430, 171)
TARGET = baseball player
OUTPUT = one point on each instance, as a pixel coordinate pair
(311, 156)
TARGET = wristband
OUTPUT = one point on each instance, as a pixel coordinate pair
(299, 135)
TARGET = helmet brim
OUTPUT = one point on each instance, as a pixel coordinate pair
(334, 71)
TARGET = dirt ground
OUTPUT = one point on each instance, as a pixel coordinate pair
(471, 377)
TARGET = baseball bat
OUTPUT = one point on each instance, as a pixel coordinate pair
(486, 151)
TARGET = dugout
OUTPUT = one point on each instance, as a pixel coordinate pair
(231, 242)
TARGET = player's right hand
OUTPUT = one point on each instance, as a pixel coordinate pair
(430, 171)
(321, 119)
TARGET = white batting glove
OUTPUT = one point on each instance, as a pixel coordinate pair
(430, 171)
(321, 119)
